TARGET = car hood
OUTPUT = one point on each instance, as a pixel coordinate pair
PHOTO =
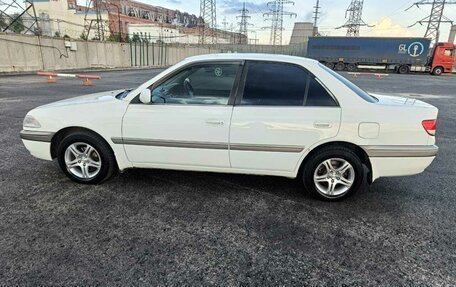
(101, 97)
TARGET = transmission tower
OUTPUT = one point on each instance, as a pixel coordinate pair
(355, 21)
(435, 18)
(316, 16)
(98, 24)
(18, 18)
(243, 24)
(209, 21)
(276, 14)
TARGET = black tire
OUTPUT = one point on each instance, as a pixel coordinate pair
(339, 152)
(437, 71)
(339, 67)
(329, 65)
(106, 156)
(351, 67)
(404, 69)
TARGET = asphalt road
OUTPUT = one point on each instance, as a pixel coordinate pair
(154, 227)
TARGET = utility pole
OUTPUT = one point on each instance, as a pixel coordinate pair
(436, 17)
(355, 21)
(316, 16)
(244, 23)
(209, 21)
(232, 35)
(276, 14)
(224, 23)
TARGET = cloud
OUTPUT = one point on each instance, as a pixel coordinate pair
(386, 28)
(233, 7)
(174, 1)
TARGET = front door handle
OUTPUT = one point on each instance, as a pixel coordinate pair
(322, 125)
(215, 122)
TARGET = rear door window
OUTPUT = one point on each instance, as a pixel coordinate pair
(274, 84)
(281, 84)
(318, 96)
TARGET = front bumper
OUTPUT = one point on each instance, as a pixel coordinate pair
(38, 143)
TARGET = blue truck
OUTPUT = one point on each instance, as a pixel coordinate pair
(399, 54)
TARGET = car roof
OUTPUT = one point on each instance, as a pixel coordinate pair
(251, 56)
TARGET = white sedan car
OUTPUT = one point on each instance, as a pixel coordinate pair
(240, 113)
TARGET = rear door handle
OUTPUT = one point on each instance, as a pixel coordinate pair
(215, 122)
(322, 125)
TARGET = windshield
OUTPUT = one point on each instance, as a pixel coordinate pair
(352, 86)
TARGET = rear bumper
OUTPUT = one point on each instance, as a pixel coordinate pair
(38, 143)
(399, 160)
(401, 151)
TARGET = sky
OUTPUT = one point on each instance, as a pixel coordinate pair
(388, 17)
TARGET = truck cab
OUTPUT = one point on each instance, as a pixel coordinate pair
(443, 58)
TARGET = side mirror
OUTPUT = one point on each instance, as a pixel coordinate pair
(146, 96)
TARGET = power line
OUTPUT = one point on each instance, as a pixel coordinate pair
(436, 17)
(276, 14)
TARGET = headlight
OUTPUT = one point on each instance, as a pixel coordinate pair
(30, 122)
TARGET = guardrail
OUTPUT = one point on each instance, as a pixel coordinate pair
(52, 77)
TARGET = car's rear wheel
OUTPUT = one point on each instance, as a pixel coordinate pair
(333, 173)
(85, 158)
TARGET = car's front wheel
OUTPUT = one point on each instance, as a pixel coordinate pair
(333, 173)
(85, 158)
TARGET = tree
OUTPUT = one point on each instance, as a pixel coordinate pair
(18, 25)
(135, 38)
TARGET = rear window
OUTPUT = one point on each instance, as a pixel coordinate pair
(350, 85)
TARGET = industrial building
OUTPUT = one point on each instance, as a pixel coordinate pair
(123, 18)
(301, 32)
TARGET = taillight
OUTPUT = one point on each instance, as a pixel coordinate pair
(430, 126)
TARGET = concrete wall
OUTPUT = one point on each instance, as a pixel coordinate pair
(24, 53)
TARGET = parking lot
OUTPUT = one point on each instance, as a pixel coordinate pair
(158, 227)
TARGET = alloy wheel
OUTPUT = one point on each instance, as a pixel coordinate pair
(82, 160)
(334, 177)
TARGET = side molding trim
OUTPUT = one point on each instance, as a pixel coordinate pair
(401, 150)
(209, 145)
(38, 136)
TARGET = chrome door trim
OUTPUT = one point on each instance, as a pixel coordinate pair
(400, 150)
(267, 148)
(208, 145)
(169, 143)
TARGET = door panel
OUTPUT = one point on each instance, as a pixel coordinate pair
(188, 122)
(287, 131)
(177, 134)
(282, 110)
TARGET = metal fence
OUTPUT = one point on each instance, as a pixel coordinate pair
(162, 54)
